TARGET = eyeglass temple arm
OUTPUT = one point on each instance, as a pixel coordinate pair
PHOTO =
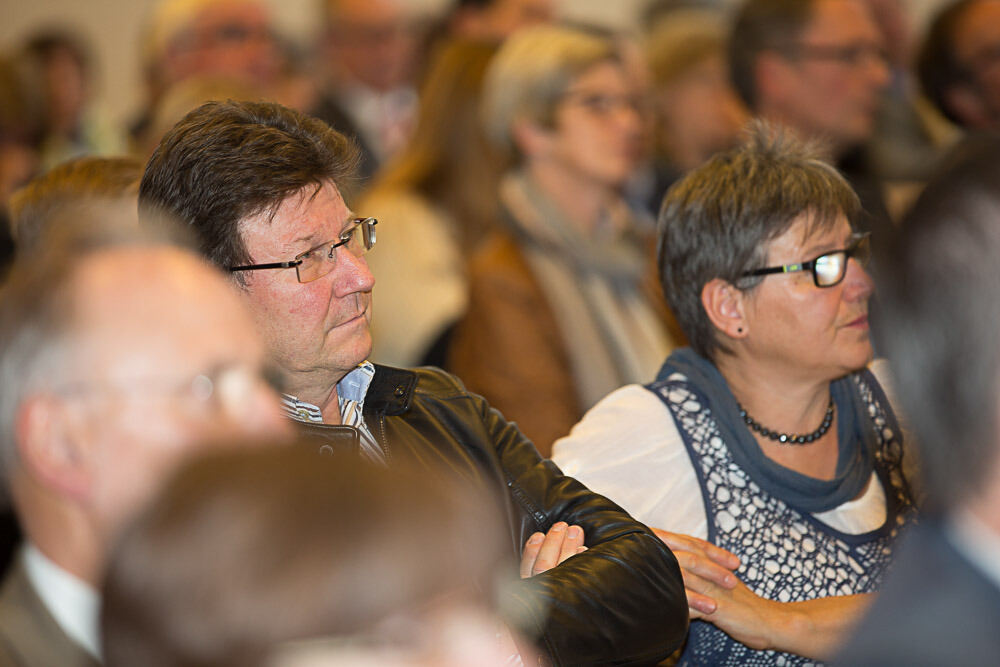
(787, 268)
(274, 265)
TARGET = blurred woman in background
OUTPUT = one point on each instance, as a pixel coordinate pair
(434, 202)
(559, 312)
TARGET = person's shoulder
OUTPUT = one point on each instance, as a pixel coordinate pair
(631, 414)
(433, 381)
(28, 632)
(934, 608)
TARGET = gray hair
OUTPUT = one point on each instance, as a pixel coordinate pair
(37, 308)
(532, 71)
(719, 220)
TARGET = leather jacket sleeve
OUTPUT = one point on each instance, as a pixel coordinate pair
(620, 602)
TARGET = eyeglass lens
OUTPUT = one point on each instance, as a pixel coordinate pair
(357, 239)
(830, 269)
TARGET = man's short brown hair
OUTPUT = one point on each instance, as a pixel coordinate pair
(226, 161)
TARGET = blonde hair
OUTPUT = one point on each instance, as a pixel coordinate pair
(681, 40)
(532, 71)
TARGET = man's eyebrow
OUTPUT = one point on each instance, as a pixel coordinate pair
(310, 238)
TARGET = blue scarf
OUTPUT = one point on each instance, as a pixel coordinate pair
(856, 438)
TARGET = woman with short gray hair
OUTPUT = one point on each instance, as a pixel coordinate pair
(767, 448)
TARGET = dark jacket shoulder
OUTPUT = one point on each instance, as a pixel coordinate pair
(620, 602)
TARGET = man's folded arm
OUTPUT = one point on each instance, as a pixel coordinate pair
(622, 601)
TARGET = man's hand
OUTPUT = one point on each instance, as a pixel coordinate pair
(544, 551)
(706, 569)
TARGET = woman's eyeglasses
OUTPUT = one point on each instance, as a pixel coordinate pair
(829, 268)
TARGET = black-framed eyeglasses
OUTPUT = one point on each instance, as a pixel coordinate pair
(320, 260)
(851, 55)
(829, 268)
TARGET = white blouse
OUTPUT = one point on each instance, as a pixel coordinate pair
(628, 448)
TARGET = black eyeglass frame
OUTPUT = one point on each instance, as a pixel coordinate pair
(851, 55)
(368, 238)
(851, 251)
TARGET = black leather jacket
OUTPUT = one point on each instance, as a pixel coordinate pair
(620, 602)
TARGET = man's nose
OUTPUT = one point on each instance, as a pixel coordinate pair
(352, 274)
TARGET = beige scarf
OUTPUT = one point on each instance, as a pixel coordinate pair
(593, 284)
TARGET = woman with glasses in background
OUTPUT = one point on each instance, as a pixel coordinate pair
(768, 449)
(562, 307)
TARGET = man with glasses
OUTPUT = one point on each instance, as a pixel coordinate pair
(959, 63)
(818, 67)
(261, 186)
(119, 355)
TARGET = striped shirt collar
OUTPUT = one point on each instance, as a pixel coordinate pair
(351, 392)
(353, 387)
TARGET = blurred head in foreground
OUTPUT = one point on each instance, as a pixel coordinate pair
(279, 557)
(120, 353)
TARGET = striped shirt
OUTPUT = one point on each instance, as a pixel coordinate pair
(351, 392)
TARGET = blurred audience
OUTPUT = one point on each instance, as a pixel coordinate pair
(54, 194)
(435, 202)
(230, 39)
(819, 67)
(959, 63)
(276, 556)
(940, 293)
(182, 97)
(560, 311)
(903, 148)
(495, 20)
(109, 380)
(696, 111)
(22, 114)
(73, 126)
(22, 108)
(370, 51)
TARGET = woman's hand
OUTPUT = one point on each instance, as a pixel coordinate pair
(707, 570)
(811, 628)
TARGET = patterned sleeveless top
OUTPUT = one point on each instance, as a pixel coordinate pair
(786, 554)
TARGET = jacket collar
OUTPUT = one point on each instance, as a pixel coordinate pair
(391, 391)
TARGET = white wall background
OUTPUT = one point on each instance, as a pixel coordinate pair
(114, 28)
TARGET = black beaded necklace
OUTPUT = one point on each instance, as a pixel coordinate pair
(786, 439)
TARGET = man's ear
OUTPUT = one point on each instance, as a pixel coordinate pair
(51, 447)
(530, 138)
(725, 307)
